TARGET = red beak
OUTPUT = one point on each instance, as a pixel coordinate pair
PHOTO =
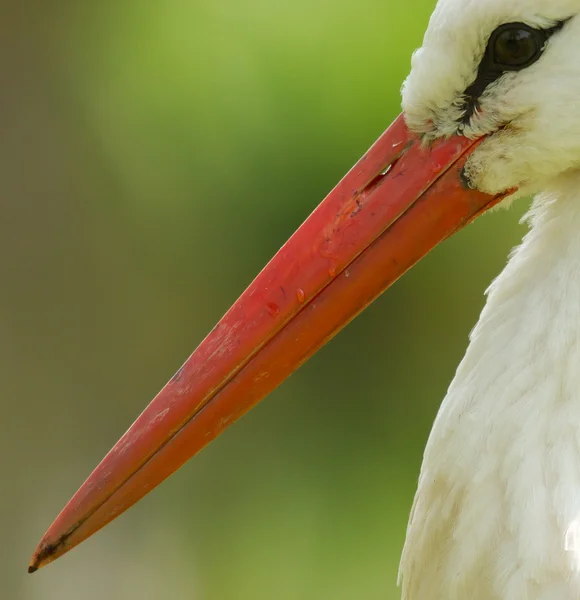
(396, 204)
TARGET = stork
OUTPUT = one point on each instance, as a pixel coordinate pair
(489, 115)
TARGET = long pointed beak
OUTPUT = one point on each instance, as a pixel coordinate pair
(396, 204)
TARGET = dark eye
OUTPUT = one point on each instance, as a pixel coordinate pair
(511, 47)
(516, 47)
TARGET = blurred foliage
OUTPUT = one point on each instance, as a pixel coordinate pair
(155, 154)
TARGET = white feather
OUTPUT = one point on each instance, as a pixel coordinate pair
(497, 511)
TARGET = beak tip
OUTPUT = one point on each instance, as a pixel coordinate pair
(44, 553)
(36, 561)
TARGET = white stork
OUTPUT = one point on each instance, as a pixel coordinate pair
(489, 112)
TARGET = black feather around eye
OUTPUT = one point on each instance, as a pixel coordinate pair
(511, 47)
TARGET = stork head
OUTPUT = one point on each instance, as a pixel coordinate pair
(486, 110)
(508, 70)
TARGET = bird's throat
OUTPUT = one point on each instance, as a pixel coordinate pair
(499, 493)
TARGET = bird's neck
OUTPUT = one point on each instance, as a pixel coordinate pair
(500, 485)
(516, 395)
(522, 367)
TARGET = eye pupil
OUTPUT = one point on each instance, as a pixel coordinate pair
(516, 48)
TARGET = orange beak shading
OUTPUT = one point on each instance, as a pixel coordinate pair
(397, 203)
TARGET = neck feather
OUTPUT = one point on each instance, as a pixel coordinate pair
(499, 490)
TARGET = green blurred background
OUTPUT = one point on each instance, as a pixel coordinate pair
(154, 155)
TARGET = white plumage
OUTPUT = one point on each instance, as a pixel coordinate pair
(497, 511)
